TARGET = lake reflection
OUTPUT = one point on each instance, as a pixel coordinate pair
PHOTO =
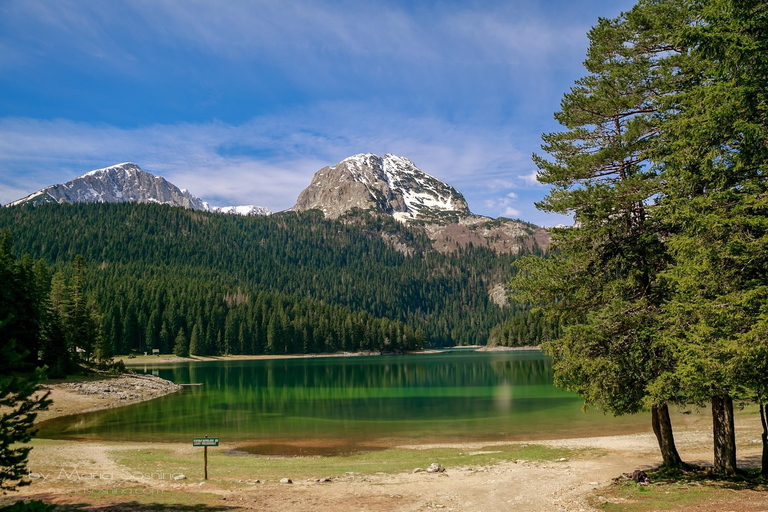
(353, 402)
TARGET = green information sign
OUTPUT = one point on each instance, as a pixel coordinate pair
(205, 441)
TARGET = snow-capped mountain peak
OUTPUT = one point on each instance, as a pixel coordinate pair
(389, 184)
(120, 183)
(127, 183)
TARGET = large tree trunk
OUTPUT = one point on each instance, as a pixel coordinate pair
(764, 420)
(724, 434)
(662, 427)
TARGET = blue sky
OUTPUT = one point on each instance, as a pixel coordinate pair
(241, 102)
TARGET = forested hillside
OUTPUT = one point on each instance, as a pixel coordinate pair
(167, 277)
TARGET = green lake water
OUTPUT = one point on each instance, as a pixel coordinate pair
(346, 404)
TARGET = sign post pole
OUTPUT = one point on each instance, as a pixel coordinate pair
(205, 442)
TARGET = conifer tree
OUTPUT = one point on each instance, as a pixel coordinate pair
(715, 201)
(18, 381)
(181, 345)
(195, 341)
(602, 282)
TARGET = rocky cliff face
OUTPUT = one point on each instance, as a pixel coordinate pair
(394, 186)
(502, 235)
(124, 183)
(388, 184)
(116, 184)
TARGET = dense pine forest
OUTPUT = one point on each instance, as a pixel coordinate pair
(190, 282)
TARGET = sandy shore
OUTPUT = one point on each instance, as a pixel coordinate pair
(569, 484)
(170, 358)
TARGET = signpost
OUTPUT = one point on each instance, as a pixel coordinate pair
(205, 442)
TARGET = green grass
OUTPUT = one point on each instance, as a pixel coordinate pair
(683, 490)
(226, 465)
(652, 497)
(229, 470)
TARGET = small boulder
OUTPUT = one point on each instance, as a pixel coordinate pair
(418, 470)
(435, 468)
(286, 481)
(323, 480)
(180, 476)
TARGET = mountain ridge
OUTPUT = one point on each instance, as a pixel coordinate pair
(127, 182)
(390, 185)
(393, 185)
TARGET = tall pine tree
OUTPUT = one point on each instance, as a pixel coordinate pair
(602, 282)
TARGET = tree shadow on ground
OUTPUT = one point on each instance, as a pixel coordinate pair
(127, 506)
(147, 507)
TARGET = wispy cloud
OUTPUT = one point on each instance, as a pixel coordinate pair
(268, 160)
(250, 29)
(311, 43)
(242, 101)
(504, 205)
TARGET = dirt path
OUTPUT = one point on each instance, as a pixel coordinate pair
(564, 485)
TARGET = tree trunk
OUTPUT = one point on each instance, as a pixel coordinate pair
(763, 414)
(724, 434)
(662, 427)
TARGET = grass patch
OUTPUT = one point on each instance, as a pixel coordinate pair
(228, 465)
(683, 490)
(232, 471)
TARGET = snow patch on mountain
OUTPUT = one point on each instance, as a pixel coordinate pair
(123, 183)
(390, 184)
(393, 185)
(244, 210)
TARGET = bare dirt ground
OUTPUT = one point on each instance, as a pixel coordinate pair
(564, 485)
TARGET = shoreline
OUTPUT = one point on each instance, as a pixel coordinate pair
(110, 392)
(572, 474)
(577, 475)
(171, 358)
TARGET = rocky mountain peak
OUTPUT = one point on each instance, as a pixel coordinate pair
(390, 184)
(127, 183)
(393, 185)
(120, 183)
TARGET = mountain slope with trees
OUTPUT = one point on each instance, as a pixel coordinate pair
(291, 282)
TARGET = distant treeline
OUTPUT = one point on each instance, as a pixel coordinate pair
(529, 328)
(167, 278)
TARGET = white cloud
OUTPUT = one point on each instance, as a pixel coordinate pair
(266, 161)
(244, 28)
(504, 206)
(531, 178)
